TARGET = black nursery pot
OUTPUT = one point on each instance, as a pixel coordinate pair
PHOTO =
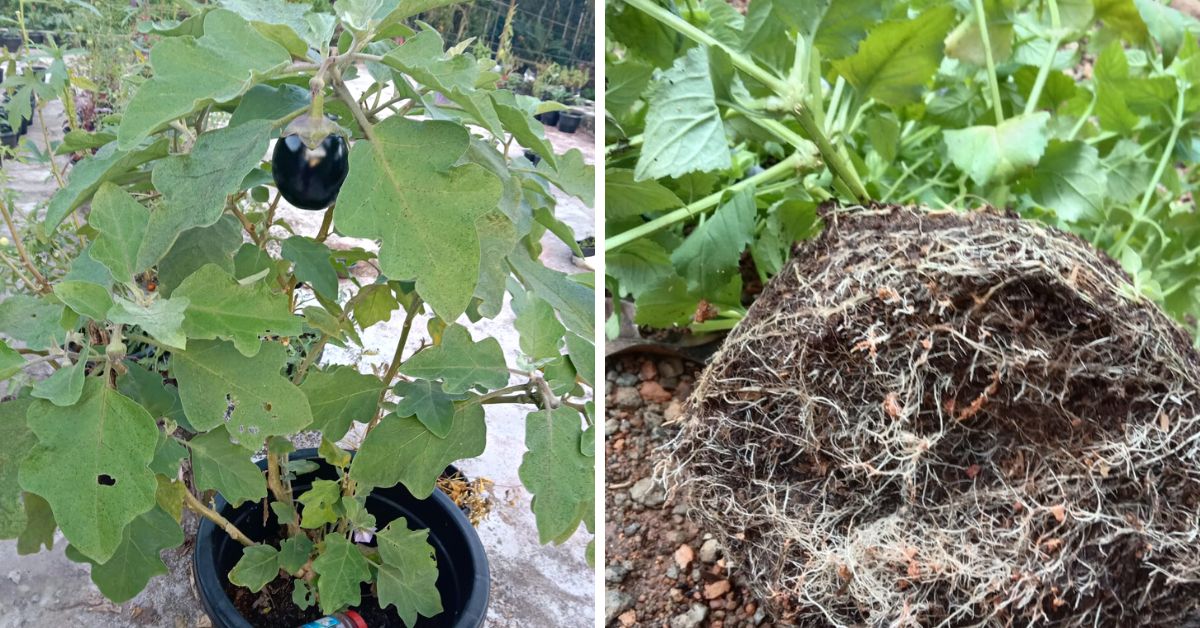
(463, 577)
(550, 118)
(568, 121)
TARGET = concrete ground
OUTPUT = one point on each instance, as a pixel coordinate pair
(532, 584)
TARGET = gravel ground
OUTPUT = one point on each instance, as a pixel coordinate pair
(660, 569)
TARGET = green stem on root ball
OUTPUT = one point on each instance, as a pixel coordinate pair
(1044, 71)
(1163, 162)
(783, 168)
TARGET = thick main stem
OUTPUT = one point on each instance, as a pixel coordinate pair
(25, 259)
(201, 509)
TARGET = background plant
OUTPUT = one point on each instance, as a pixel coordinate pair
(168, 330)
(1080, 114)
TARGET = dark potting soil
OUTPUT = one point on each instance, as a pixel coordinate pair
(273, 608)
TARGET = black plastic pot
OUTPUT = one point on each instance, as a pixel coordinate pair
(10, 139)
(11, 40)
(550, 118)
(568, 121)
(463, 577)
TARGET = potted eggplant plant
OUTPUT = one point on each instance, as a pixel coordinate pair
(183, 247)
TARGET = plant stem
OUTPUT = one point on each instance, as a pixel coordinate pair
(496, 395)
(326, 221)
(986, 40)
(25, 259)
(394, 366)
(1163, 162)
(787, 166)
(344, 93)
(1044, 72)
(208, 513)
(834, 159)
(29, 282)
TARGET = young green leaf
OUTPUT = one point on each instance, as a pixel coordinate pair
(555, 470)
(258, 566)
(684, 132)
(898, 57)
(319, 503)
(426, 400)
(342, 568)
(121, 221)
(313, 264)
(223, 307)
(460, 363)
(85, 298)
(161, 318)
(408, 572)
(294, 552)
(401, 449)
(221, 465)
(64, 387)
(338, 396)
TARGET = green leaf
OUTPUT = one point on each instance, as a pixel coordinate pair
(90, 464)
(460, 363)
(560, 477)
(168, 455)
(264, 102)
(625, 197)
(638, 265)
(213, 376)
(843, 26)
(338, 396)
(11, 361)
(294, 552)
(169, 496)
(137, 559)
(225, 467)
(342, 568)
(539, 329)
(86, 268)
(195, 185)
(192, 72)
(408, 572)
(1168, 26)
(583, 357)
(375, 304)
(708, 257)
(197, 247)
(222, 307)
(573, 301)
(15, 442)
(283, 22)
(121, 221)
(425, 400)
(32, 320)
(1110, 73)
(1070, 180)
(572, 175)
(898, 57)
(85, 298)
(161, 318)
(497, 237)
(684, 132)
(1122, 16)
(965, 43)
(303, 595)
(401, 449)
(64, 387)
(404, 190)
(39, 527)
(258, 566)
(88, 175)
(319, 502)
(516, 114)
(996, 153)
(284, 512)
(313, 265)
(666, 304)
(148, 389)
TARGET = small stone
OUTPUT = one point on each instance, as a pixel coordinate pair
(633, 528)
(714, 590)
(610, 376)
(676, 595)
(614, 574)
(709, 550)
(692, 618)
(647, 493)
(653, 392)
(674, 411)
(628, 618)
(615, 603)
(672, 572)
(653, 418)
(648, 371)
(627, 397)
(759, 616)
(611, 426)
(670, 383)
(684, 556)
(627, 379)
(672, 367)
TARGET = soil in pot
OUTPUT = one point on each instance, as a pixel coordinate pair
(550, 118)
(568, 121)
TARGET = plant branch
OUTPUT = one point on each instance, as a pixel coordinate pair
(326, 222)
(1044, 71)
(397, 360)
(833, 158)
(208, 513)
(981, 16)
(1163, 162)
(25, 259)
(344, 94)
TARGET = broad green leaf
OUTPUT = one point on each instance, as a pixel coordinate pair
(91, 465)
(426, 400)
(516, 114)
(303, 595)
(626, 80)
(573, 301)
(137, 559)
(626, 198)
(197, 247)
(995, 153)
(263, 102)
(665, 304)
(282, 22)
(844, 24)
(1168, 26)
(638, 265)
(708, 257)
(313, 265)
(168, 455)
(684, 132)
(191, 72)
(404, 190)
(560, 375)
(294, 552)
(285, 513)
(560, 477)
(965, 43)
(222, 307)
(401, 449)
(1122, 16)
(86, 268)
(64, 387)
(225, 467)
(85, 298)
(11, 361)
(15, 442)
(220, 386)
(572, 175)
(408, 572)
(1110, 72)
(32, 320)
(258, 566)
(1128, 171)
(88, 175)
(587, 442)
(39, 526)
(121, 221)
(148, 389)
(375, 304)
(583, 357)
(1069, 179)
(161, 318)
(539, 329)
(460, 363)
(898, 57)
(497, 237)
(195, 186)
(394, 12)
(338, 396)
(342, 568)
(319, 502)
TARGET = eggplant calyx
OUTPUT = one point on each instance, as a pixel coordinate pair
(312, 131)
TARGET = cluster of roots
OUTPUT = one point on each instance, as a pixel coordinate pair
(951, 419)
